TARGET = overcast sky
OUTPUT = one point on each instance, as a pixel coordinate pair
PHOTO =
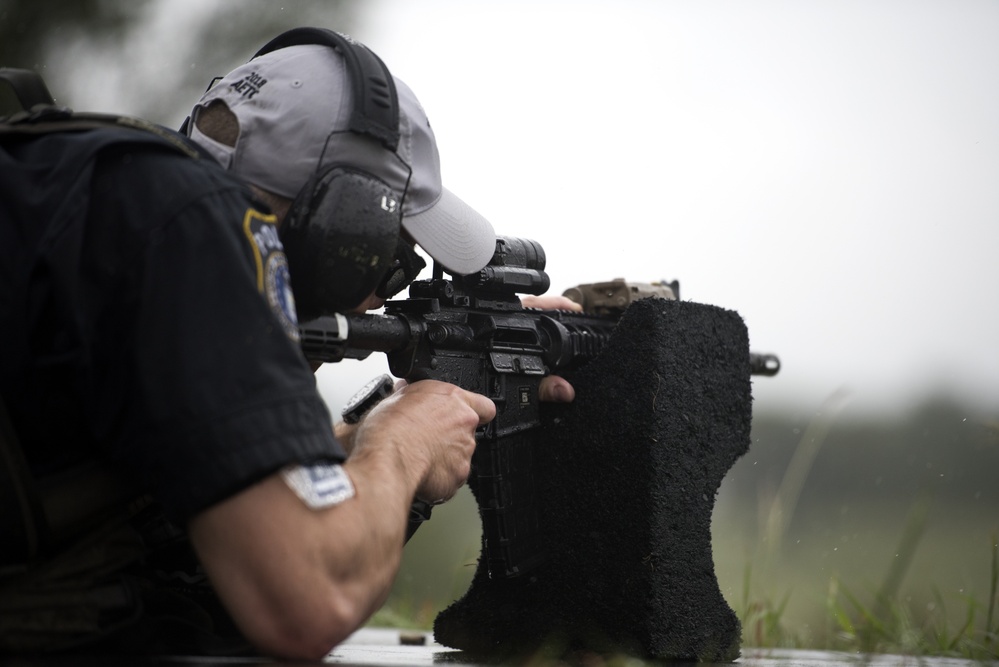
(829, 169)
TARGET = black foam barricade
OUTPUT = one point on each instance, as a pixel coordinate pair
(628, 475)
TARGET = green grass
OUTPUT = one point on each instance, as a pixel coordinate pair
(781, 597)
(861, 539)
(883, 622)
(888, 618)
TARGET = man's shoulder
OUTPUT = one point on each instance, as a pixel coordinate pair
(64, 151)
(166, 168)
(72, 139)
(165, 149)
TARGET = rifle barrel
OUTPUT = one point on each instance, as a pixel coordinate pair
(763, 364)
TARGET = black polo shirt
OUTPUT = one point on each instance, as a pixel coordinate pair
(146, 318)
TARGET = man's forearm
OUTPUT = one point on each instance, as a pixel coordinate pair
(298, 581)
(345, 432)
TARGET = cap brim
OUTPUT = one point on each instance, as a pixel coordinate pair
(454, 234)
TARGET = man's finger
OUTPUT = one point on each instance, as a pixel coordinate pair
(554, 389)
(550, 302)
(483, 406)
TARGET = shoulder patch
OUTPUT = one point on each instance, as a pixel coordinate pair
(319, 485)
(273, 277)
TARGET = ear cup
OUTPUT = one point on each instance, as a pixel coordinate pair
(340, 237)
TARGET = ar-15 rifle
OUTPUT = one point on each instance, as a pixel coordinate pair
(472, 331)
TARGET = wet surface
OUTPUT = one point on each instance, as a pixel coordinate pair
(378, 647)
(392, 647)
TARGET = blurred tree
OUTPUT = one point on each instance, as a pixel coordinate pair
(227, 37)
(27, 27)
(938, 444)
(149, 58)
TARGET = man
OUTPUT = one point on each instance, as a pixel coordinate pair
(148, 331)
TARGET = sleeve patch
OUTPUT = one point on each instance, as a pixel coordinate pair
(319, 485)
(273, 277)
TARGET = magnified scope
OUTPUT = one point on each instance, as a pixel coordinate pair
(517, 267)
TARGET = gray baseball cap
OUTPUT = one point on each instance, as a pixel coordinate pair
(292, 101)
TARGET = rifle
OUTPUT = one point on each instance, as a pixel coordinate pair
(472, 331)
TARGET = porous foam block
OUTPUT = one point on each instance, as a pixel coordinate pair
(630, 472)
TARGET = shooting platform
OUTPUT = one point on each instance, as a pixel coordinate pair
(627, 479)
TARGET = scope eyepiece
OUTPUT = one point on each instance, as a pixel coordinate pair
(513, 251)
(517, 267)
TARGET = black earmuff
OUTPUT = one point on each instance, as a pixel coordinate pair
(342, 233)
(341, 237)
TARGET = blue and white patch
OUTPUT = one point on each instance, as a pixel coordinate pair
(277, 286)
(273, 277)
(319, 485)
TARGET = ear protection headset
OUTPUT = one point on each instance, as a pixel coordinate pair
(342, 232)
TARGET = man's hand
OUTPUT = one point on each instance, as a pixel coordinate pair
(434, 423)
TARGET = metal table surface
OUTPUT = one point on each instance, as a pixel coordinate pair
(383, 647)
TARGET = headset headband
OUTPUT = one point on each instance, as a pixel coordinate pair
(376, 107)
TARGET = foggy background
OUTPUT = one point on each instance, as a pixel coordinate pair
(828, 169)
